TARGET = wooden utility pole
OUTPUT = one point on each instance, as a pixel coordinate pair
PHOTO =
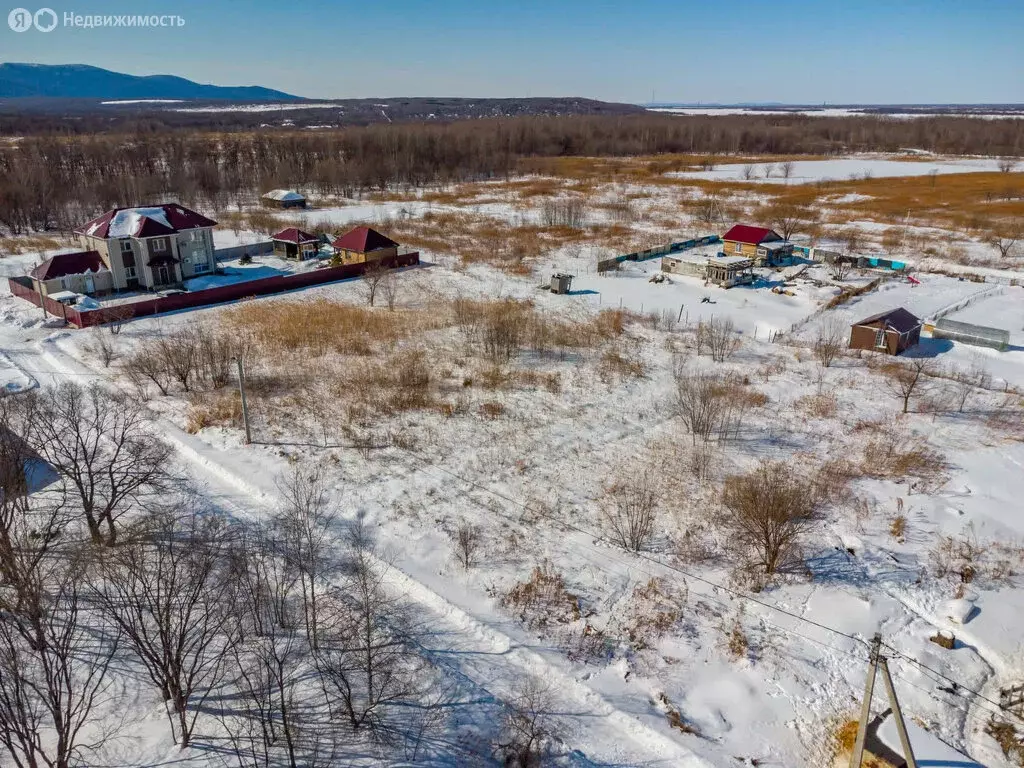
(245, 404)
(876, 661)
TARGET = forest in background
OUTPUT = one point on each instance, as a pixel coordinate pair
(55, 182)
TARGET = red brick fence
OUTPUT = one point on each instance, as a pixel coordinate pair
(24, 288)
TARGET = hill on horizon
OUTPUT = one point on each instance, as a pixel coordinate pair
(81, 81)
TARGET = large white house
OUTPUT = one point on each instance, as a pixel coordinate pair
(152, 247)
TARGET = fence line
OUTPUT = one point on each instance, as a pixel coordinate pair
(261, 248)
(23, 288)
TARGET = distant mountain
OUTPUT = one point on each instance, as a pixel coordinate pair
(80, 81)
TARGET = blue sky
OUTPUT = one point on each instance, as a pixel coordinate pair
(795, 51)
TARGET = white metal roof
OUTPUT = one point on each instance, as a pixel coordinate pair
(284, 195)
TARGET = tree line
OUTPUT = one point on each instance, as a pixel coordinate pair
(52, 182)
(279, 630)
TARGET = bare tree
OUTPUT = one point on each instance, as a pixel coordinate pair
(168, 593)
(527, 728)
(1004, 243)
(103, 348)
(967, 380)
(748, 171)
(99, 445)
(372, 279)
(467, 541)
(709, 208)
(1006, 164)
(365, 662)
(147, 364)
(53, 663)
(788, 218)
(840, 268)
(389, 287)
(632, 513)
(719, 337)
(787, 169)
(905, 380)
(306, 520)
(699, 401)
(829, 342)
(180, 353)
(768, 510)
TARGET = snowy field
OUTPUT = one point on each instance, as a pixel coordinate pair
(830, 112)
(681, 654)
(841, 169)
(772, 703)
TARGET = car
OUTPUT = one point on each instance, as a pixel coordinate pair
(171, 292)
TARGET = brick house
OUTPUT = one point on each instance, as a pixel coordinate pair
(151, 247)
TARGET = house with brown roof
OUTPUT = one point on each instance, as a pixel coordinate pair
(294, 243)
(364, 244)
(890, 332)
(151, 247)
(764, 246)
(79, 272)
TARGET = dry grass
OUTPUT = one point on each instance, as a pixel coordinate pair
(220, 409)
(29, 243)
(823, 406)
(321, 326)
(543, 599)
(1006, 736)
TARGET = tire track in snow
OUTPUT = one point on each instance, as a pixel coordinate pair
(237, 494)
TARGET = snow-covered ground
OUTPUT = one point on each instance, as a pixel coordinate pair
(840, 169)
(535, 479)
(832, 112)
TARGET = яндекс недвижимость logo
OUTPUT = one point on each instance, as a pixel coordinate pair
(22, 19)
(46, 20)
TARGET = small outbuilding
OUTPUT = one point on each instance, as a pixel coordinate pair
(283, 198)
(80, 272)
(561, 283)
(294, 243)
(891, 332)
(364, 244)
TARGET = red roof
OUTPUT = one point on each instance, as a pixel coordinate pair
(295, 235)
(68, 264)
(744, 233)
(145, 221)
(363, 240)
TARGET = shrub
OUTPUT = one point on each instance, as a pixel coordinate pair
(768, 511)
(631, 512)
(543, 599)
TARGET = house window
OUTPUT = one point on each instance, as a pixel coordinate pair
(126, 247)
(738, 248)
(200, 267)
(880, 339)
(129, 273)
(159, 243)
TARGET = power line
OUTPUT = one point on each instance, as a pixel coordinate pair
(640, 555)
(958, 686)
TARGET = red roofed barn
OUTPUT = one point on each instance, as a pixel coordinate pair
(364, 244)
(151, 247)
(763, 245)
